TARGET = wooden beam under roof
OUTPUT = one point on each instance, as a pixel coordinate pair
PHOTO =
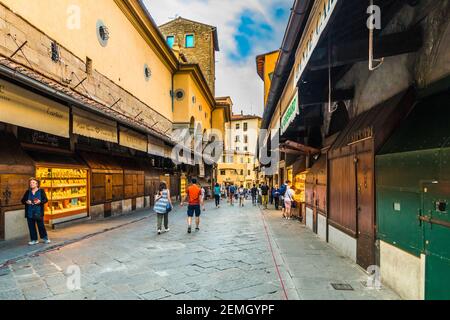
(300, 147)
(384, 46)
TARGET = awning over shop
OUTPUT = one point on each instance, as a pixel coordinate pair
(92, 126)
(157, 147)
(132, 139)
(130, 165)
(376, 123)
(101, 162)
(59, 160)
(13, 160)
(292, 147)
(26, 109)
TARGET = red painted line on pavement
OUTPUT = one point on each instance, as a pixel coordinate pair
(273, 255)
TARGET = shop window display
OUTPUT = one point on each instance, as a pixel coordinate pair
(66, 190)
(300, 187)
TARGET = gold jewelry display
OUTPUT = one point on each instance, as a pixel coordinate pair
(66, 189)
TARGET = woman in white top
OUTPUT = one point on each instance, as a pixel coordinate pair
(288, 200)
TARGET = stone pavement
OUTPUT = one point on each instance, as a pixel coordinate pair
(314, 264)
(230, 258)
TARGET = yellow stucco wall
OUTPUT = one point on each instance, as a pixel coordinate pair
(181, 107)
(269, 67)
(233, 170)
(218, 121)
(185, 109)
(122, 60)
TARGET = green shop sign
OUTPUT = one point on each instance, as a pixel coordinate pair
(290, 114)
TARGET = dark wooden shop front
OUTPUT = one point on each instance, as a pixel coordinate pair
(316, 189)
(133, 179)
(106, 179)
(16, 167)
(351, 172)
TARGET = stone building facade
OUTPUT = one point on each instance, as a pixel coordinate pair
(204, 48)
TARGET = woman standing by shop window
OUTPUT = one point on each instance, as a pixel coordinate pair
(34, 200)
(163, 205)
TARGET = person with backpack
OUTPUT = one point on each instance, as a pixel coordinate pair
(163, 206)
(265, 195)
(34, 200)
(194, 199)
(232, 194)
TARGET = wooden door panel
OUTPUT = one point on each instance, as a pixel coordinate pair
(343, 192)
(109, 187)
(365, 210)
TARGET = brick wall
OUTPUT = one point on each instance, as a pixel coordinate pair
(203, 53)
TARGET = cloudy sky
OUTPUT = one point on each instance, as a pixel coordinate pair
(246, 29)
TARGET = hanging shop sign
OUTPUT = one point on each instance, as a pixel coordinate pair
(156, 147)
(289, 115)
(42, 139)
(202, 169)
(312, 36)
(26, 109)
(133, 140)
(92, 126)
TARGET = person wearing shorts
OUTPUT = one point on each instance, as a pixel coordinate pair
(194, 200)
(288, 200)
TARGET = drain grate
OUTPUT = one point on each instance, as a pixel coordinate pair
(342, 286)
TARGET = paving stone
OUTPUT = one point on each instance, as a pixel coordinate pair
(37, 293)
(14, 294)
(157, 295)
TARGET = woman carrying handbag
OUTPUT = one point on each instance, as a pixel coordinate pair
(163, 205)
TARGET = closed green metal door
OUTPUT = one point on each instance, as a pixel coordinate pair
(436, 230)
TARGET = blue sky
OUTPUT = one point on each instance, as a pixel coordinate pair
(246, 29)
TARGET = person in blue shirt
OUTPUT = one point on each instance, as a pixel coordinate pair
(217, 194)
(276, 197)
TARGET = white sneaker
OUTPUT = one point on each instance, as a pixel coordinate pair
(167, 230)
(47, 241)
(33, 243)
(159, 231)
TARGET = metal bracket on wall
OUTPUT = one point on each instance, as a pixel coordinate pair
(79, 83)
(19, 48)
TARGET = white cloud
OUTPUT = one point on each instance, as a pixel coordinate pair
(237, 79)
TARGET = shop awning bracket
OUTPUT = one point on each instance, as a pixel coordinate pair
(19, 49)
(138, 115)
(79, 83)
(115, 103)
